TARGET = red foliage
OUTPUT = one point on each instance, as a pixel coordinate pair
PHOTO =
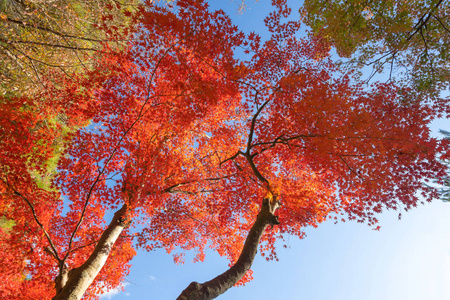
(183, 132)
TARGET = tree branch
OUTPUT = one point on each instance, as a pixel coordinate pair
(26, 25)
(442, 24)
(47, 236)
(252, 127)
(220, 284)
(50, 45)
(74, 283)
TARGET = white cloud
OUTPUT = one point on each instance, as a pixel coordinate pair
(152, 277)
(108, 295)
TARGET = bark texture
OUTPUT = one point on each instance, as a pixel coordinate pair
(79, 279)
(220, 284)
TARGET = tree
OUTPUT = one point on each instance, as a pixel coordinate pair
(25, 147)
(409, 38)
(190, 147)
(444, 183)
(37, 37)
(41, 35)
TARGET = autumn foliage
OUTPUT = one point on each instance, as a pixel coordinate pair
(185, 139)
(406, 39)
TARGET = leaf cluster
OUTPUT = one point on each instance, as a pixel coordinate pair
(41, 36)
(408, 39)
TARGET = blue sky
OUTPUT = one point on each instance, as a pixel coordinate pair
(406, 259)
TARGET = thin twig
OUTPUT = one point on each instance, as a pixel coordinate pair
(55, 252)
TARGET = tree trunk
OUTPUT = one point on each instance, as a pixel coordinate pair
(79, 279)
(219, 285)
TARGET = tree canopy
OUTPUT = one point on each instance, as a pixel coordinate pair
(189, 146)
(67, 35)
(409, 39)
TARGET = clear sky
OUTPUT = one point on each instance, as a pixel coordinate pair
(405, 260)
(408, 259)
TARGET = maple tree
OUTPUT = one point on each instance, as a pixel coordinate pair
(190, 147)
(408, 38)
